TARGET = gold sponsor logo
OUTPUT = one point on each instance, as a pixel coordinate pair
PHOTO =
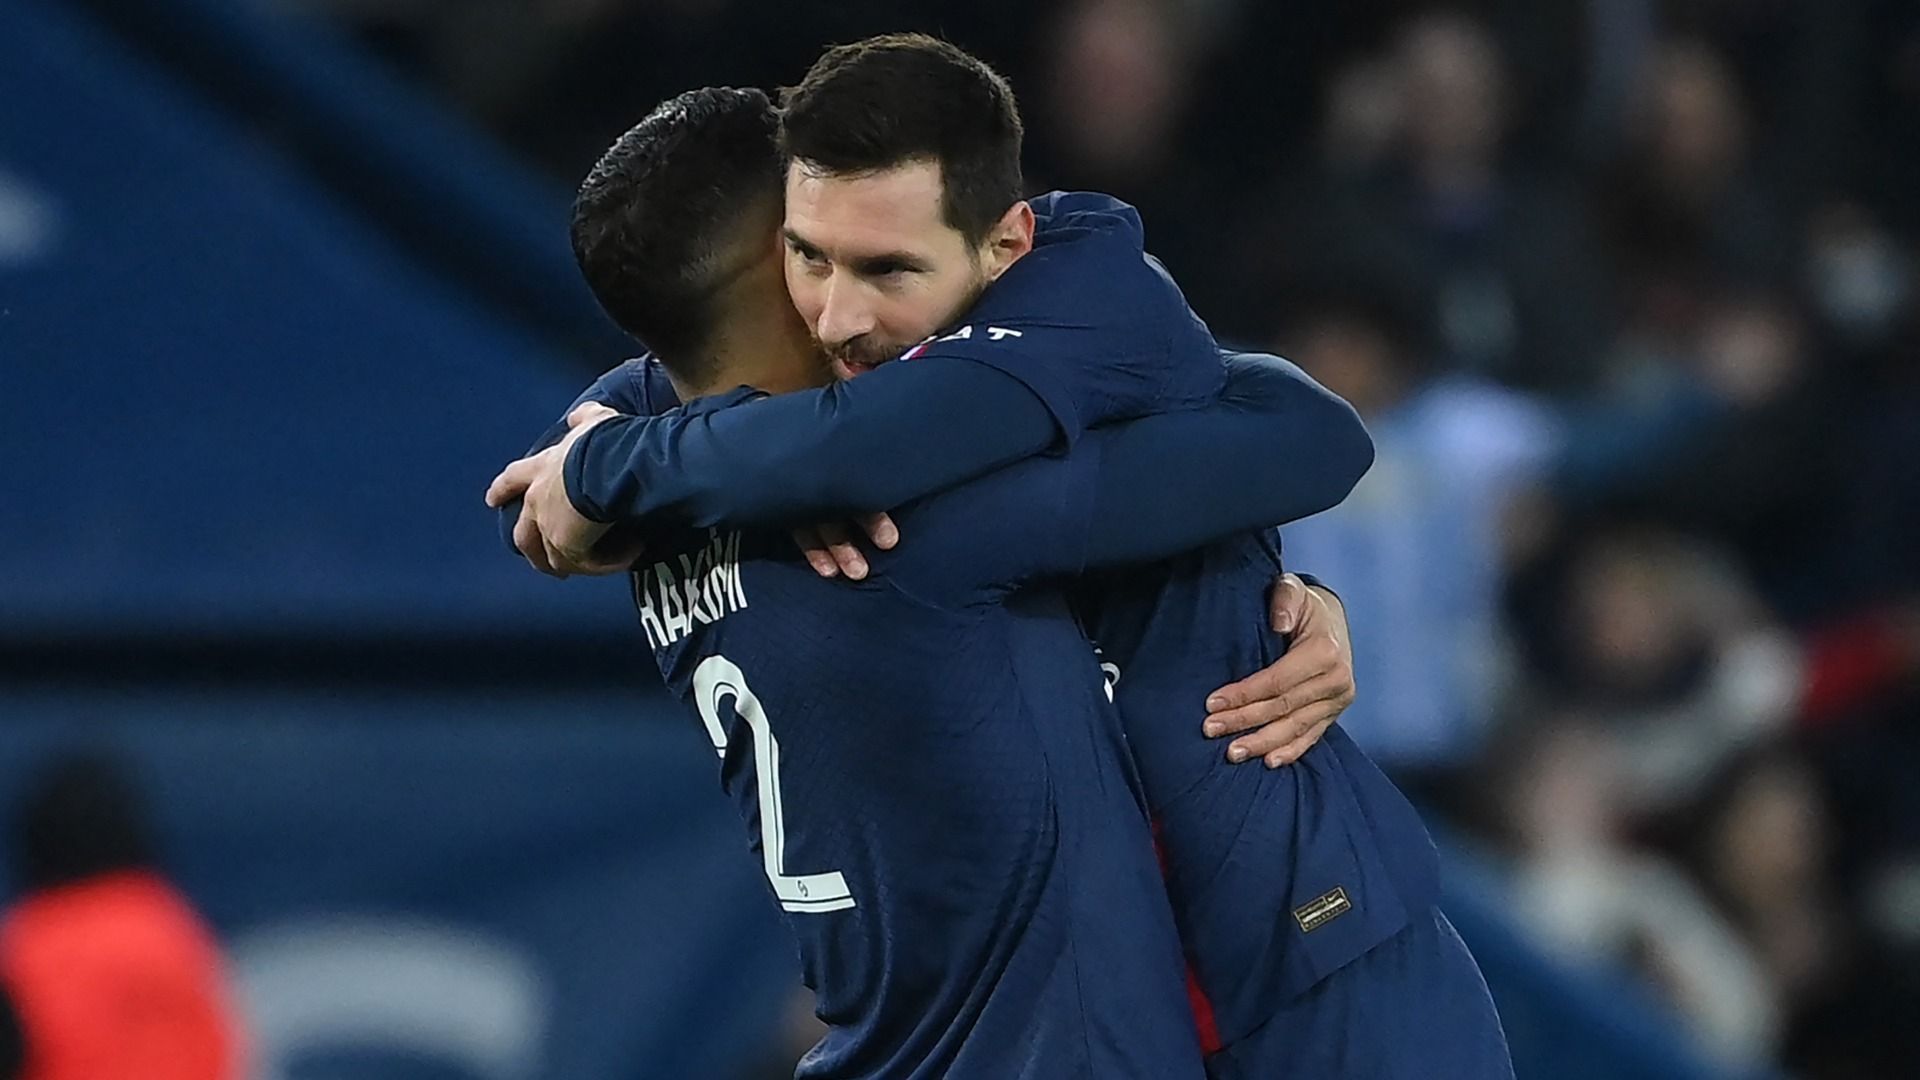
(1312, 916)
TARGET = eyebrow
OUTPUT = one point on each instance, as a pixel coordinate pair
(797, 241)
(875, 264)
(865, 264)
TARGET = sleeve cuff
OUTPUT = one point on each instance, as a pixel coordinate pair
(573, 474)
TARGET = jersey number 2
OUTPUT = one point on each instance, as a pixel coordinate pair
(715, 680)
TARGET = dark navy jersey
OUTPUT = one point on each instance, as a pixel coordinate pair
(959, 965)
(938, 792)
(1277, 876)
(971, 881)
(1128, 494)
(1104, 333)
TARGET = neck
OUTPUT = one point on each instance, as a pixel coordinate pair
(763, 344)
(765, 361)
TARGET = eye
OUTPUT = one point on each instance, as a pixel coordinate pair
(811, 259)
(886, 271)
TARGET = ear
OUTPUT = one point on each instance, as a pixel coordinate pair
(1008, 241)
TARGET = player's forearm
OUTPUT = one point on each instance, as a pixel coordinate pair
(617, 389)
(1277, 448)
(904, 431)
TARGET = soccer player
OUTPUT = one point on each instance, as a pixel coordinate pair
(1306, 896)
(927, 759)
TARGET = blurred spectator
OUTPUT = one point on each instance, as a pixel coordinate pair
(1763, 851)
(114, 975)
(1417, 550)
(1684, 192)
(1504, 254)
(1363, 118)
(1765, 475)
(1800, 67)
(1120, 80)
(1113, 111)
(1666, 648)
(1761, 837)
(1860, 279)
(1858, 1021)
(1596, 899)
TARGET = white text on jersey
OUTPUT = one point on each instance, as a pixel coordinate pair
(696, 588)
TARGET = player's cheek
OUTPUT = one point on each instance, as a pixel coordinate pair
(805, 290)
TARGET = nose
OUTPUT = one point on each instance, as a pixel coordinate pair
(846, 314)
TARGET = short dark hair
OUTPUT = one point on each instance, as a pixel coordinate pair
(657, 225)
(899, 98)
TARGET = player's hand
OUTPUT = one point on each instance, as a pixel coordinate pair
(514, 480)
(831, 550)
(551, 534)
(1284, 709)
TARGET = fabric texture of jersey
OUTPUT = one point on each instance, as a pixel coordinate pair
(952, 592)
(939, 793)
(1092, 327)
(1413, 1008)
(1278, 877)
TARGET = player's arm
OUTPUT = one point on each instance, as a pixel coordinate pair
(1276, 447)
(1276, 714)
(907, 429)
(622, 389)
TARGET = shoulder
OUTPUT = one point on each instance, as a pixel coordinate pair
(1071, 215)
(622, 387)
(1088, 263)
(638, 386)
(651, 386)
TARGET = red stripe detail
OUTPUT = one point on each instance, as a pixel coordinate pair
(915, 351)
(1203, 1019)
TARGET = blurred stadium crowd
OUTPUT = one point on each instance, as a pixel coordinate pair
(1625, 289)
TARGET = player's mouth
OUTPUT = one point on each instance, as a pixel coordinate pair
(847, 368)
